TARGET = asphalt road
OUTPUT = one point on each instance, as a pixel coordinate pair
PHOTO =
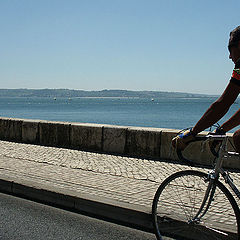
(26, 220)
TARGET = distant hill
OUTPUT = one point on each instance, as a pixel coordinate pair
(51, 93)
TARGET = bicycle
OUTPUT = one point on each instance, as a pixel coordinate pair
(191, 204)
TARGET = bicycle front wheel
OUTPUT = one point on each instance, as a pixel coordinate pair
(178, 200)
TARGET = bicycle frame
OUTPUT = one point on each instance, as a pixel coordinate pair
(223, 153)
(214, 175)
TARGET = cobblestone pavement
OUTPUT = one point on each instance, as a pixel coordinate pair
(120, 178)
(133, 180)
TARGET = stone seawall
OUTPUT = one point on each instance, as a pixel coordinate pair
(132, 141)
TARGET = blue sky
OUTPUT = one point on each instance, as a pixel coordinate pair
(161, 45)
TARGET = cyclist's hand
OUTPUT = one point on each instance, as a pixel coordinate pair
(181, 141)
(219, 131)
(214, 143)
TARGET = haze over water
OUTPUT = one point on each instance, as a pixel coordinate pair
(160, 113)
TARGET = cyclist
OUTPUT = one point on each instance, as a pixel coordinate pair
(220, 107)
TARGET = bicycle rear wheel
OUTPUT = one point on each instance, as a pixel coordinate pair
(178, 200)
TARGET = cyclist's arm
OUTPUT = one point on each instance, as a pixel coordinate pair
(218, 109)
(233, 122)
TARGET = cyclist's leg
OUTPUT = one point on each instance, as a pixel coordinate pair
(236, 140)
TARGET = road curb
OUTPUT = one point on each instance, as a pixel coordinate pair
(126, 214)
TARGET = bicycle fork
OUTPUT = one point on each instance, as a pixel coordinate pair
(207, 200)
(212, 178)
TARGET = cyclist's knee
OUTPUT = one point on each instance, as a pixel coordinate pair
(236, 140)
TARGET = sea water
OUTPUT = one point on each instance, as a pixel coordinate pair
(176, 113)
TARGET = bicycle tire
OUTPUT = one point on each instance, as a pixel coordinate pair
(179, 197)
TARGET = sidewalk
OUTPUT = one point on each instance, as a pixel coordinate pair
(115, 187)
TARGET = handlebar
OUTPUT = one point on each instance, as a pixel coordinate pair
(216, 139)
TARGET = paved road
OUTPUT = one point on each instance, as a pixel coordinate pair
(23, 219)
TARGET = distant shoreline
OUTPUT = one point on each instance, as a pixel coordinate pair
(67, 93)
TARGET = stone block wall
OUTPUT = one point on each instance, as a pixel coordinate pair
(131, 141)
